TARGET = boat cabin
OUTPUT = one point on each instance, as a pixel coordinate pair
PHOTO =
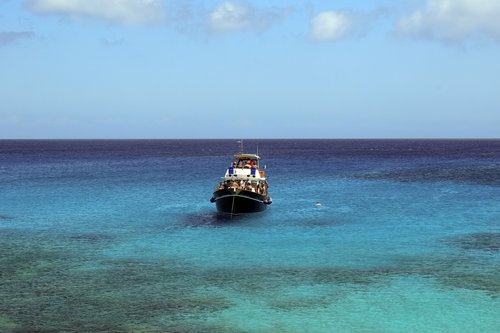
(245, 167)
(246, 161)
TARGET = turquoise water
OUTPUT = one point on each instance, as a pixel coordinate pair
(120, 236)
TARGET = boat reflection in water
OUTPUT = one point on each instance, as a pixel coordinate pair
(244, 188)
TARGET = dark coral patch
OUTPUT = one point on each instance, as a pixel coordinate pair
(91, 237)
(482, 241)
(297, 303)
(45, 290)
(488, 282)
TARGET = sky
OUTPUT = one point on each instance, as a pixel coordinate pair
(249, 69)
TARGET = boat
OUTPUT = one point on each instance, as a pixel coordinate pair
(244, 188)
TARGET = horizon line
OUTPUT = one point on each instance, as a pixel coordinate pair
(252, 139)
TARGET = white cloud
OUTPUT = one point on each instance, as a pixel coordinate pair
(453, 20)
(116, 11)
(229, 16)
(330, 26)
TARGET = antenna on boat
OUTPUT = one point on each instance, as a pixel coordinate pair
(241, 145)
(257, 150)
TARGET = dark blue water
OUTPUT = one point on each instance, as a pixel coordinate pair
(120, 236)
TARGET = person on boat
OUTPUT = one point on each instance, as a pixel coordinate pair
(248, 186)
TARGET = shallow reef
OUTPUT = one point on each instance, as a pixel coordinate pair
(54, 286)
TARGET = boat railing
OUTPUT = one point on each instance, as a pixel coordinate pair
(259, 188)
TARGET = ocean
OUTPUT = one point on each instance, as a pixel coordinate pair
(120, 236)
